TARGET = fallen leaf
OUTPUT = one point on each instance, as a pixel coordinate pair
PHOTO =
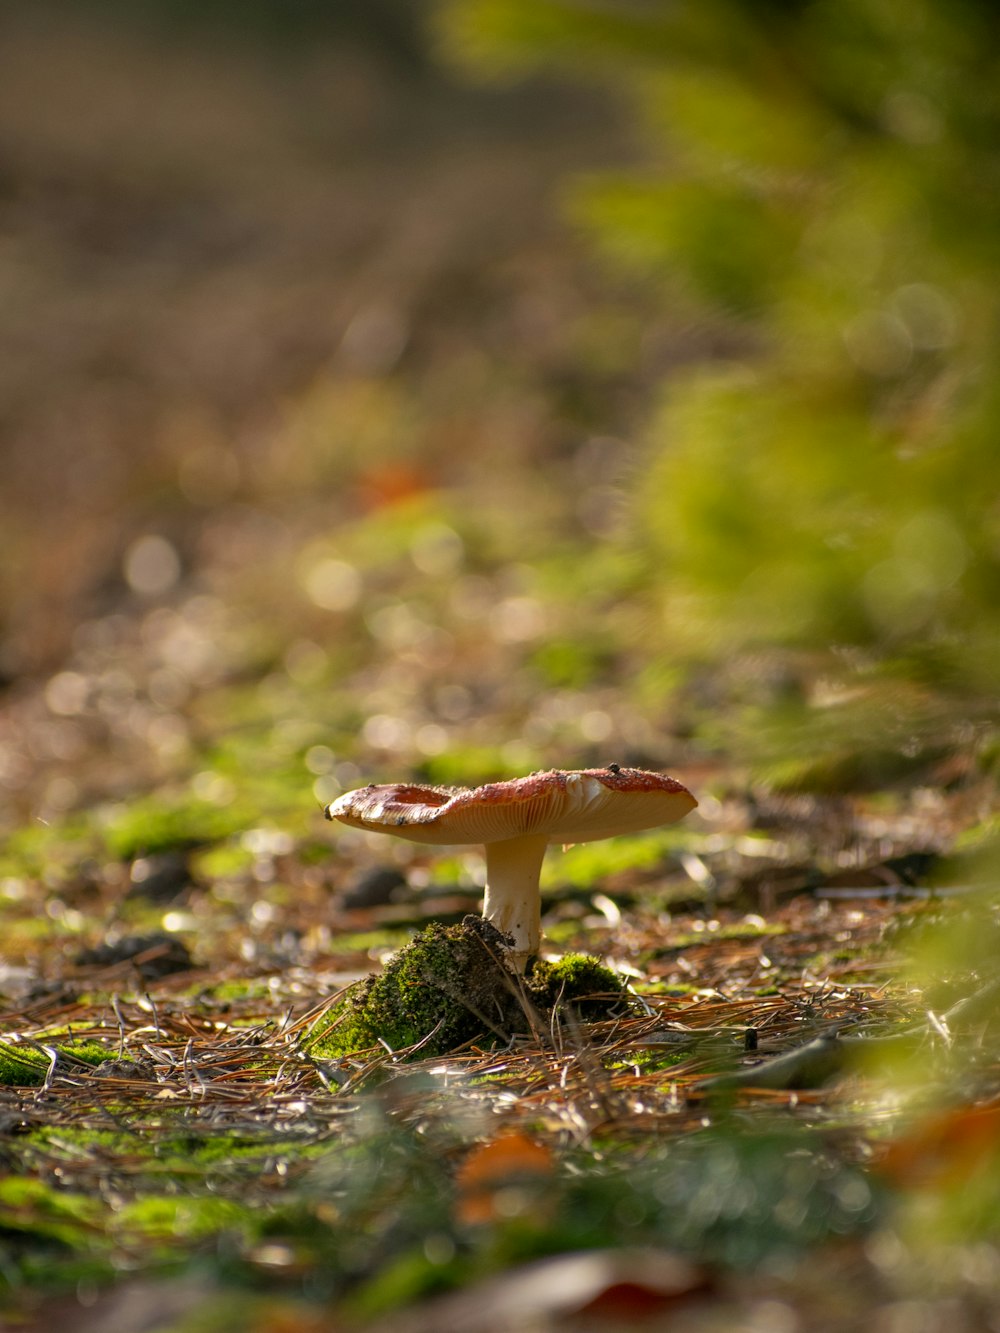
(610, 1289)
(945, 1149)
(510, 1162)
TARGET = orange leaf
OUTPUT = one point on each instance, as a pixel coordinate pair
(387, 484)
(945, 1149)
(507, 1163)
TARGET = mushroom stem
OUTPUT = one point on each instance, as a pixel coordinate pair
(512, 900)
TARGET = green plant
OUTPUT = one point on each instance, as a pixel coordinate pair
(820, 537)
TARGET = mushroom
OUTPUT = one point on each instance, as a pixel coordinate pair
(516, 821)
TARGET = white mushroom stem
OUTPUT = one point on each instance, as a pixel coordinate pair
(513, 903)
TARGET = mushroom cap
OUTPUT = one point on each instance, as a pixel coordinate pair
(580, 806)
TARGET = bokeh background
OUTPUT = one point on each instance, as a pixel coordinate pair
(453, 389)
(444, 390)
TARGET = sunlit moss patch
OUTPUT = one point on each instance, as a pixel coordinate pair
(24, 1064)
(451, 986)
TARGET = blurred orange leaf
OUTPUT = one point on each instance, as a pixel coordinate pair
(388, 484)
(945, 1149)
(492, 1170)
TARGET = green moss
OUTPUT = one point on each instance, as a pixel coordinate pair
(673, 990)
(222, 859)
(571, 663)
(363, 941)
(649, 1061)
(450, 985)
(26, 1066)
(447, 981)
(408, 1278)
(227, 992)
(741, 930)
(562, 932)
(173, 1218)
(22, 1066)
(31, 1208)
(590, 864)
(157, 823)
(579, 979)
(36, 850)
(470, 764)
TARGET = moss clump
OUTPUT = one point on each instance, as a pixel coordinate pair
(581, 980)
(449, 981)
(451, 985)
(27, 1066)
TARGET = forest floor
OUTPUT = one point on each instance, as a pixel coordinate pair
(317, 449)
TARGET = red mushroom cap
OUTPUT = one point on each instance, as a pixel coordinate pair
(579, 806)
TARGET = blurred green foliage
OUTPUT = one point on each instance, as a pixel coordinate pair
(738, 1199)
(588, 865)
(818, 515)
